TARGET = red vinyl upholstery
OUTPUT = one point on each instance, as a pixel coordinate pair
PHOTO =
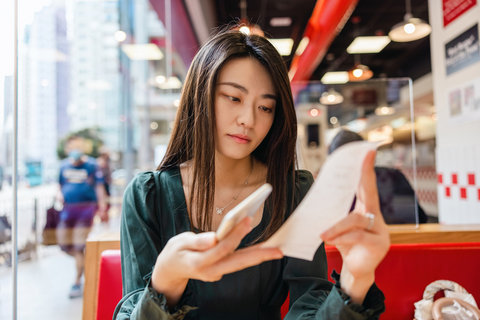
(409, 268)
(402, 276)
(109, 284)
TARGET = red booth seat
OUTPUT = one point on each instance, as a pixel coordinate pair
(402, 276)
(109, 284)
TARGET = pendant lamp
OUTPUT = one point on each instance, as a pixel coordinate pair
(246, 27)
(410, 29)
(331, 97)
(359, 72)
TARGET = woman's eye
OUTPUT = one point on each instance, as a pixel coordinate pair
(268, 110)
(233, 99)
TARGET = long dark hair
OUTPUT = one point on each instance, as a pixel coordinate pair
(193, 135)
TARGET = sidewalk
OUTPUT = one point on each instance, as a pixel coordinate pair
(43, 287)
(44, 283)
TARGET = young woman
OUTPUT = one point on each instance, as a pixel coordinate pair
(235, 130)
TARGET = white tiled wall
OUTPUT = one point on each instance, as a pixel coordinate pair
(458, 169)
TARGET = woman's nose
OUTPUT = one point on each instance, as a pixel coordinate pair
(247, 116)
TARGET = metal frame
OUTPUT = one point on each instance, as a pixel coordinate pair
(15, 167)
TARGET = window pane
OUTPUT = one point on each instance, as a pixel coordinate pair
(92, 112)
(6, 155)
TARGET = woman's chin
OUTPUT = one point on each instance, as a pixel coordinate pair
(236, 154)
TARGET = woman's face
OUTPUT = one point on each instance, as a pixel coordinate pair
(244, 107)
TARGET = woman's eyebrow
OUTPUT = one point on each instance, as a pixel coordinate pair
(235, 85)
(243, 89)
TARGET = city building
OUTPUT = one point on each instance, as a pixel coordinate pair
(95, 75)
(46, 92)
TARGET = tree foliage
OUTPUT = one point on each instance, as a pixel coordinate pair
(93, 142)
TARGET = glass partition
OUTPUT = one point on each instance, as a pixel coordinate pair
(96, 85)
(330, 115)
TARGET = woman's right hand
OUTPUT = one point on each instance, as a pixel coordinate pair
(201, 257)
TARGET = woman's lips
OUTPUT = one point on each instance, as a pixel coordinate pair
(240, 139)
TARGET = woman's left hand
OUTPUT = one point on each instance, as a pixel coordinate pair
(362, 242)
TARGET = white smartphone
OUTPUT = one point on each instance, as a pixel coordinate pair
(246, 208)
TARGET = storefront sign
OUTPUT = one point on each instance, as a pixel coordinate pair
(464, 103)
(452, 9)
(364, 97)
(462, 51)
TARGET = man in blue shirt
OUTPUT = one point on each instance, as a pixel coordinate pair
(83, 193)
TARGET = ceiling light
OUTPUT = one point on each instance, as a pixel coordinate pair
(335, 77)
(284, 46)
(302, 46)
(249, 29)
(154, 125)
(410, 29)
(120, 36)
(368, 44)
(314, 112)
(359, 72)
(160, 79)
(171, 83)
(333, 120)
(331, 97)
(245, 30)
(384, 110)
(281, 22)
(147, 51)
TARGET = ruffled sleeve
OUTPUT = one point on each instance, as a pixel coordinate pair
(140, 235)
(312, 296)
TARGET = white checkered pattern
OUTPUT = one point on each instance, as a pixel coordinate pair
(458, 180)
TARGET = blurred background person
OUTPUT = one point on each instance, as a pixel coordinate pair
(396, 195)
(82, 191)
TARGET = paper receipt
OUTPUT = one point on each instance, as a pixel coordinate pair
(327, 202)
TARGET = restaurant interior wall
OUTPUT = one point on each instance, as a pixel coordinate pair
(457, 100)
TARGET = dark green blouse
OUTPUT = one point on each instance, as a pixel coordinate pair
(154, 210)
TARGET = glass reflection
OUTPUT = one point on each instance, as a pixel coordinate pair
(331, 115)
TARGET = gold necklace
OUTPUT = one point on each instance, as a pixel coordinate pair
(220, 210)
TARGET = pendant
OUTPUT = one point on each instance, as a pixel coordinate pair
(219, 210)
